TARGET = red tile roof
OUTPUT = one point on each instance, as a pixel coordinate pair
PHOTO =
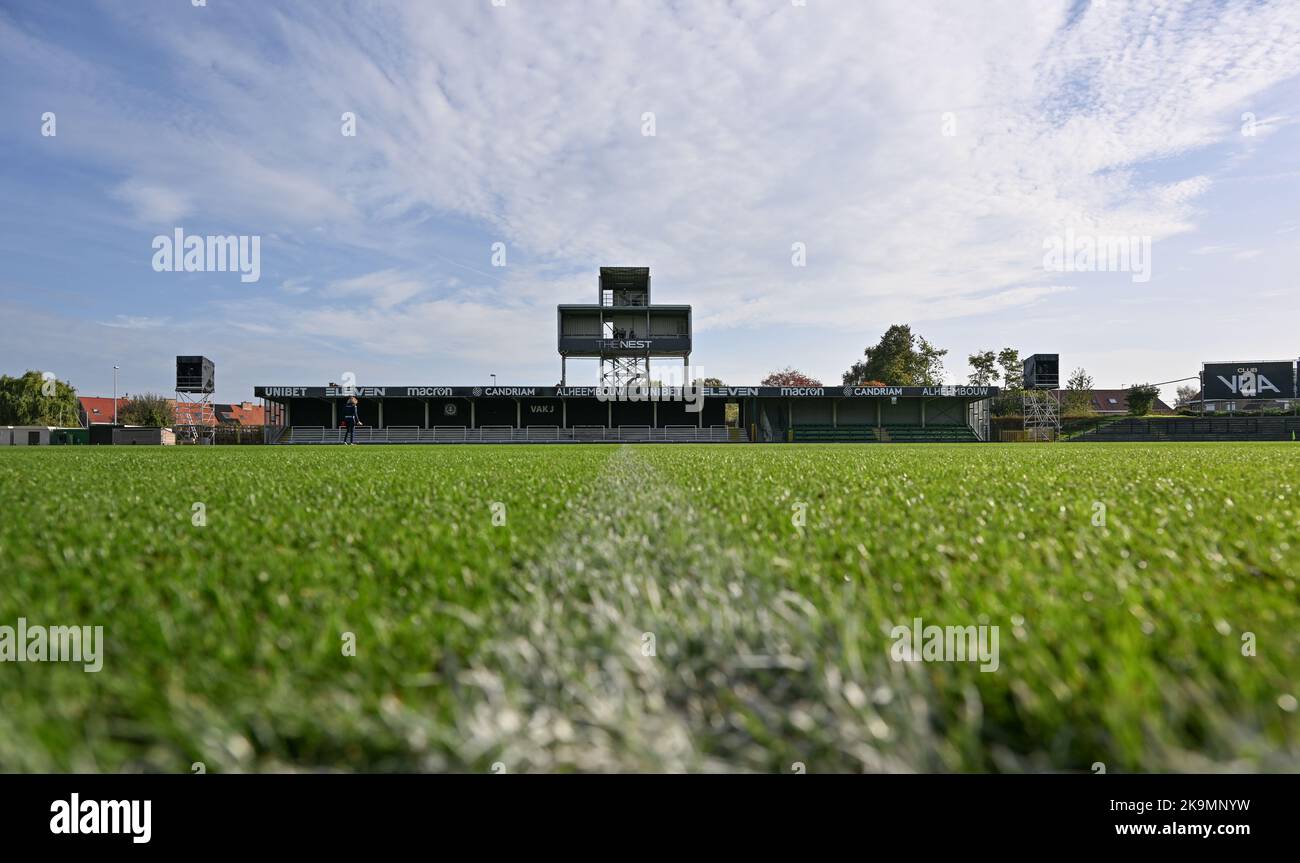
(245, 414)
(194, 413)
(1116, 401)
(96, 409)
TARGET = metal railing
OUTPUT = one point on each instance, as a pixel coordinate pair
(509, 434)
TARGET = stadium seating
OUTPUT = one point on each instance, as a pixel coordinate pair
(1135, 430)
(827, 433)
(932, 434)
(822, 433)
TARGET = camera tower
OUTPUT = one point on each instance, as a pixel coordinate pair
(196, 417)
(1042, 410)
(622, 329)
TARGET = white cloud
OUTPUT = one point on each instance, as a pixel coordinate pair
(153, 204)
(384, 289)
(419, 331)
(134, 322)
(762, 141)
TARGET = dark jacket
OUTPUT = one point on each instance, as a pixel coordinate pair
(350, 413)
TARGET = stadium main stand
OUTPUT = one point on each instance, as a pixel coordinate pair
(714, 414)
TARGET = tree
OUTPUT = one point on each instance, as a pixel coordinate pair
(1140, 399)
(932, 363)
(899, 359)
(788, 377)
(731, 410)
(37, 399)
(984, 371)
(1078, 393)
(149, 409)
(1186, 395)
(1013, 371)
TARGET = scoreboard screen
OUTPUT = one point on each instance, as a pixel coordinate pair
(1249, 380)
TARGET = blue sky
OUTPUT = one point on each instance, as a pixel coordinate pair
(923, 153)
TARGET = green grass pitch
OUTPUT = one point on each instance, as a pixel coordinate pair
(671, 607)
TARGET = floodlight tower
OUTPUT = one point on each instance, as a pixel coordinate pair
(1042, 411)
(623, 329)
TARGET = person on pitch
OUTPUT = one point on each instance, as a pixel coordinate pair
(351, 419)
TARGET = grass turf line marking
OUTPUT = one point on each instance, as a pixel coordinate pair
(745, 675)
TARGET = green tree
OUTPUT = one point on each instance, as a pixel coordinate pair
(731, 410)
(789, 377)
(1140, 399)
(1013, 371)
(149, 409)
(1078, 393)
(931, 363)
(899, 359)
(37, 399)
(1008, 403)
(983, 368)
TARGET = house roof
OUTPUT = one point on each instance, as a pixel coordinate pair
(192, 413)
(1116, 402)
(100, 410)
(195, 413)
(245, 414)
(97, 409)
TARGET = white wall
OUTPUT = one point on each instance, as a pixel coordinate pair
(21, 433)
